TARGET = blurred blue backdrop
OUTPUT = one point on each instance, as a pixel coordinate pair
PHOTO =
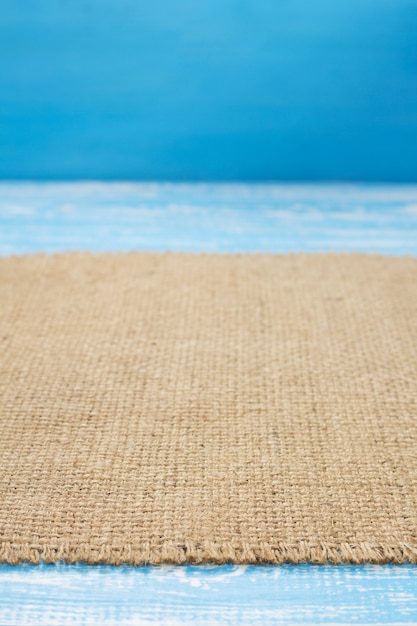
(209, 89)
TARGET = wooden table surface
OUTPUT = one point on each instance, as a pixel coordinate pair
(275, 218)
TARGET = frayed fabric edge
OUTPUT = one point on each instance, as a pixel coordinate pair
(170, 552)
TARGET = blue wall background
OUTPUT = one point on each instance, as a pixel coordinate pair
(209, 89)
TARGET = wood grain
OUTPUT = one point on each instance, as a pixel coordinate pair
(53, 595)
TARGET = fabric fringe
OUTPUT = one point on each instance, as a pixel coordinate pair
(200, 553)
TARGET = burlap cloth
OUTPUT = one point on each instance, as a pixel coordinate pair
(181, 407)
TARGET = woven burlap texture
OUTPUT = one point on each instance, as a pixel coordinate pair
(208, 408)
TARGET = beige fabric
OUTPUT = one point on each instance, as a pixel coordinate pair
(183, 407)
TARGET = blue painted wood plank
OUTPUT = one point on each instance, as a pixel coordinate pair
(50, 595)
(276, 218)
(221, 218)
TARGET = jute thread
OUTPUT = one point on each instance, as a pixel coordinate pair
(208, 408)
